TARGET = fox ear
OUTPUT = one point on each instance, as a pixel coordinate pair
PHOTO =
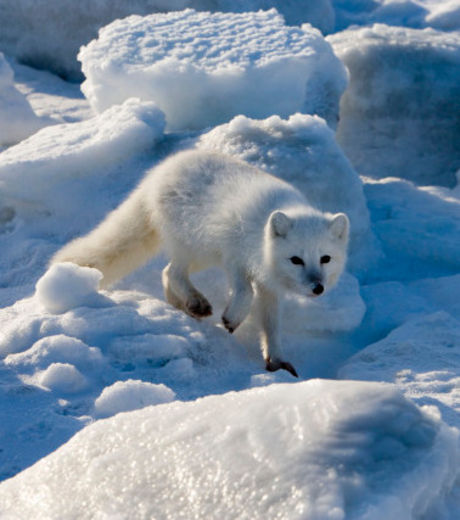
(340, 226)
(280, 224)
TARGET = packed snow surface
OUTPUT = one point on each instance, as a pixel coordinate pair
(202, 69)
(57, 28)
(404, 96)
(310, 450)
(17, 119)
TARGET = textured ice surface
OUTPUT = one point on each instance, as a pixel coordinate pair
(309, 450)
(58, 158)
(17, 119)
(57, 28)
(202, 69)
(422, 357)
(400, 115)
(303, 151)
(439, 14)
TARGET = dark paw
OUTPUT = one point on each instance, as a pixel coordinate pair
(199, 308)
(274, 365)
(231, 327)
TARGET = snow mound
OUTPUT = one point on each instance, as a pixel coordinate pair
(56, 349)
(56, 29)
(124, 396)
(66, 286)
(400, 114)
(268, 452)
(47, 172)
(17, 119)
(63, 378)
(303, 151)
(418, 227)
(439, 14)
(422, 356)
(202, 69)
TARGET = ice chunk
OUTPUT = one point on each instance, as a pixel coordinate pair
(57, 29)
(399, 116)
(66, 286)
(202, 69)
(17, 119)
(46, 172)
(124, 396)
(303, 151)
(318, 449)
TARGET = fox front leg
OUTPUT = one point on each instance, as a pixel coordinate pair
(240, 299)
(269, 316)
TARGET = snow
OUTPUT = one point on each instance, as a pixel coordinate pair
(66, 286)
(17, 119)
(302, 150)
(213, 67)
(56, 29)
(217, 433)
(439, 14)
(274, 452)
(57, 158)
(427, 353)
(128, 395)
(403, 96)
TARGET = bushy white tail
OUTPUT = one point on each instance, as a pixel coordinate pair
(123, 241)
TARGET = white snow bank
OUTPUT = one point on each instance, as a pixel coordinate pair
(418, 227)
(202, 69)
(46, 173)
(56, 349)
(66, 286)
(439, 14)
(57, 28)
(17, 119)
(317, 450)
(63, 378)
(400, 115)
(422, 357)
(303, 151)
(124, 396)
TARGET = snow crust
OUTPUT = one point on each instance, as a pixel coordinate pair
(213, 67)
(17, 119)
(128, 395)
(439, 14)
(57, 28)
(245, 455)
(302, 150)
(403, 96)
(427, 350)
(46, 172)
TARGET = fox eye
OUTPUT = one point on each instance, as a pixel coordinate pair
(325, 259)
(297, 260)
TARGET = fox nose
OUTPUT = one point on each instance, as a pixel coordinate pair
(318, 289)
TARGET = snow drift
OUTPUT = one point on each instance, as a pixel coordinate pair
(57, 158)
(310, 450)
(202, 69)
(57, 28)
(400, 115)
(17, 119)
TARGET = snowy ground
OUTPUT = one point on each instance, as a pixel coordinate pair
(217, 436)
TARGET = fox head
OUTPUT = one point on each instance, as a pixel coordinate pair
(305, 253)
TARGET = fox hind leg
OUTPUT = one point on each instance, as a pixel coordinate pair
(181, 293)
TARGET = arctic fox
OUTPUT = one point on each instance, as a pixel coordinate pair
(208, 209)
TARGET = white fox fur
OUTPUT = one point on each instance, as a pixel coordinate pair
(209, 209)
